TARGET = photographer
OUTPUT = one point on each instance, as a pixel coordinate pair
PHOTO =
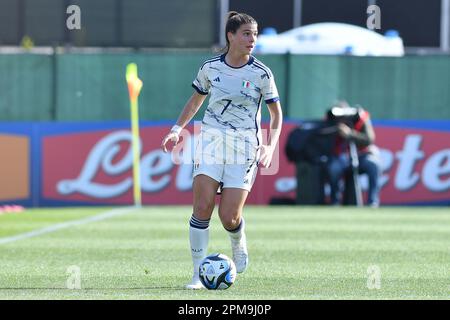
(353, 126)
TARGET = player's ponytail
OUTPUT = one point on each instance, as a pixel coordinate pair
(234, 21)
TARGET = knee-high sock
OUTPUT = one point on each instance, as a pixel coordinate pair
(198, 238)
(237, 233)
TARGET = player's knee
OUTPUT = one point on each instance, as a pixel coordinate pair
(230, 222)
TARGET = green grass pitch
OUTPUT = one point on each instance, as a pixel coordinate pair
(295, 253)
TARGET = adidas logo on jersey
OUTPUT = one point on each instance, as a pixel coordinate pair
(217, 79)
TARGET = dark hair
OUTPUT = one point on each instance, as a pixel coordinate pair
(234, 21)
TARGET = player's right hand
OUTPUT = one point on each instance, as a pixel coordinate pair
(171, 136)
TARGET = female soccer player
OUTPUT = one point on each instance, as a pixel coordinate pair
(230, 144)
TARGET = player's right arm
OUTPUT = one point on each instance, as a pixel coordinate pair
(190, 109)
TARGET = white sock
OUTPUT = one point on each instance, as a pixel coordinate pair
(238, 232)
(198, 238)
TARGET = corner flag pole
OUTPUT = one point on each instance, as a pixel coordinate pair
(134, 88)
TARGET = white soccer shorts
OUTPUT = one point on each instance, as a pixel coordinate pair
(229, 158)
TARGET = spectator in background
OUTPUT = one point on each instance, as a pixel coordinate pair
(353, 124)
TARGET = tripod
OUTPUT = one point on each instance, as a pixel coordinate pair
(355, 171)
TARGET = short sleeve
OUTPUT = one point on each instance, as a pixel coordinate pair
(269, 88)
(201, 83)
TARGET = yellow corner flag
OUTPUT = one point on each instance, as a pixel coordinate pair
(134, 88)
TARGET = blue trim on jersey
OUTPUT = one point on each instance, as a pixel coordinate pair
(256, 116)
(217, 58)
(199, 91)
(262, 65)
(250, 61)
(272, 100)
(262, 68)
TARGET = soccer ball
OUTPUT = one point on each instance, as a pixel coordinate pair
(217, 271)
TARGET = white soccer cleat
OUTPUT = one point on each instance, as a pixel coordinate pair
(195, 283)
(240, 253)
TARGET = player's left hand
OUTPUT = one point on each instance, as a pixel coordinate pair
(266, 153)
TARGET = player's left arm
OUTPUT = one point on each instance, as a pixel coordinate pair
(276, 122)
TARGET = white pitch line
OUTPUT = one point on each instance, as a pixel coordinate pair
(68, 224)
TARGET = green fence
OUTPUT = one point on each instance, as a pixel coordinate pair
(26, 87)
(92, 86)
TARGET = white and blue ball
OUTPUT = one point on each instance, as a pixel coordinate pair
(217, 271)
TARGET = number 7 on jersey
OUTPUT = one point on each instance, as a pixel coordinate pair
(227, 105)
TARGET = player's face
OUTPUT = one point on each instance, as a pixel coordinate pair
(244, 40)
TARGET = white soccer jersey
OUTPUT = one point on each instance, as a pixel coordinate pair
(236, 93)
